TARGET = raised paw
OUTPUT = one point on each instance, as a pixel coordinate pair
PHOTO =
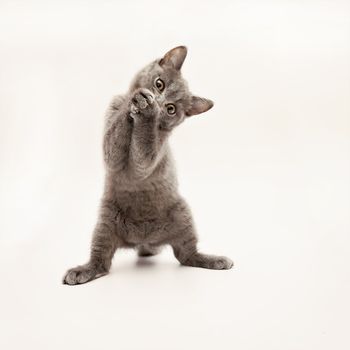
(142, 102)
(82, 274)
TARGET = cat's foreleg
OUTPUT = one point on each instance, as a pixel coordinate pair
(146, 142)
(117, 134)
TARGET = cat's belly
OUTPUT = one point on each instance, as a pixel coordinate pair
(144, 232)
(143, 216)
(144, 205)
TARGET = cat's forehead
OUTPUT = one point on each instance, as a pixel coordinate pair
(155, 70)
(176, 90)
(175, 86)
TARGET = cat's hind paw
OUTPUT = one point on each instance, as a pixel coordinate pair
(222, 263)
(212, 262)
(82, 274)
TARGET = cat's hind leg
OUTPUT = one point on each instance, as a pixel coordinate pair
(184, 243)
(105, 241)
(103, 247)
(185, 250)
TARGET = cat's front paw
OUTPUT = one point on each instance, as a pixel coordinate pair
(82, 274)
(142, 103)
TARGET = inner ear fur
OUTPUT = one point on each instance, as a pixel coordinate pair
(175, 57)
(199, 105)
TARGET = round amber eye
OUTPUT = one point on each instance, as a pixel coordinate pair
(171, 109)
(159, 84)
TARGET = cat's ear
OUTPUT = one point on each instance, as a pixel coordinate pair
(174, 58)
(199, 105)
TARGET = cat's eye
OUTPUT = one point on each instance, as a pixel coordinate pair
(171, 109)
(159, 84)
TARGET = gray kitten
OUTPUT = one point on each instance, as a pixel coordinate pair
(141, 207)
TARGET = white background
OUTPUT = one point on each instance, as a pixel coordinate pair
(266, 171)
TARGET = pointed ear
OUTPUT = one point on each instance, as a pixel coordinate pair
(199, 105)
(174, 58)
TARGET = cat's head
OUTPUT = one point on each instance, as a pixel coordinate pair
(163, 77)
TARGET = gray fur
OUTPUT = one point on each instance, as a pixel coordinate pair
(141, 207)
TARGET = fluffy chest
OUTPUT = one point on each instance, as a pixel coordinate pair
(144, 205)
